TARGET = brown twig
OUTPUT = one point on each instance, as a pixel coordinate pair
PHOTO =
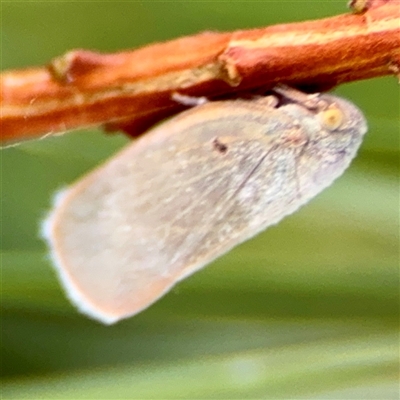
(132, 90)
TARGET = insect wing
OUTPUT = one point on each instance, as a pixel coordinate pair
(163, 208)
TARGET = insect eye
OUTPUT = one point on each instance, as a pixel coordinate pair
(332, 118)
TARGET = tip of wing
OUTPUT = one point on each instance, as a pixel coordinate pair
(82, 303)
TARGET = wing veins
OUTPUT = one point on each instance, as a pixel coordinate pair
(228, 210)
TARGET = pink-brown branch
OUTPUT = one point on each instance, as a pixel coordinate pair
(132, 90)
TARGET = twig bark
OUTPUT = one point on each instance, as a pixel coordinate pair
(132, 90)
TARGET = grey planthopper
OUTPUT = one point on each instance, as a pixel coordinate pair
(191, 189)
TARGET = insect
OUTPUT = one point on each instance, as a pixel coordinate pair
(191, 189)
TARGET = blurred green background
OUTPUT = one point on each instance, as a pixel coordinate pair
(308, 309)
